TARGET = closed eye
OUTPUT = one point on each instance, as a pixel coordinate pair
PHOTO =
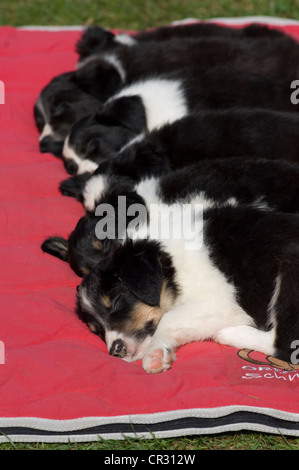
(115, 301)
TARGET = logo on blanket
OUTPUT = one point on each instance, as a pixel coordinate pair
(246, 354)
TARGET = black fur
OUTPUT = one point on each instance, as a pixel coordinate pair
(250, 247)
(208, 135)
(272, 57)
(101, 135)
(123, 118)
(256, 182)
(60, 104)
(95, 39)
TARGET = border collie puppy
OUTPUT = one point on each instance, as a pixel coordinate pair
(261, 183)
(59, 105)
(95, 39)
(240, 288)
(104, 74)
(205, 135)
(146, 105)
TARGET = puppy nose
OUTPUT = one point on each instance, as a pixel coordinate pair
(71, 167)
(118, 348)
(45, 144)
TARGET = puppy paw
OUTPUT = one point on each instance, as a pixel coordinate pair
(157, 361)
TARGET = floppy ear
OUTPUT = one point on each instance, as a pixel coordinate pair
(99, 79)
(56, 246)
(142, 275)
(94, 39)
(127, 111)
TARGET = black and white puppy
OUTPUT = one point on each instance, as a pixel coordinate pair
(149, 104)
(209, 134)
(61, 103)
(240, 288)
(273, 185)
(95, 40)
(104, 74)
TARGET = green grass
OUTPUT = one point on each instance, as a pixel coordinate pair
(134, 15)
(225, 441)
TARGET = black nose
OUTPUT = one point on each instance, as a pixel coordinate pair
(48, 145)
(45, 144)
(70, 166)
(118, 348)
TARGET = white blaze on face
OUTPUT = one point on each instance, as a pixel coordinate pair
(47, 130)
(135, 350)
(84, 166)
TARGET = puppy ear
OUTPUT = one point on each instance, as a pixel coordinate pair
(99, 78)
(143, 277)
(94, 39)
(56, 246)
(127, 111)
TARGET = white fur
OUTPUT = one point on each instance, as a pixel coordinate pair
(47, 130)
(163, 99)
(125, 39)
(83, 165)
(93, 191)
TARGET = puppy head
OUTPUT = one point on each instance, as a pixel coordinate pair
(124, 297)
(58, 106)
(141, 159)
(100, 136)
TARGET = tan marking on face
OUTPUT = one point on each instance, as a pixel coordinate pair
(141, 314)
(97, 245)
(106, 301)
(84, 271)
(91, 327)
(167, 298)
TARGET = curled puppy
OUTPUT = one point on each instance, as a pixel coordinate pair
(239, 287)
(237, 181)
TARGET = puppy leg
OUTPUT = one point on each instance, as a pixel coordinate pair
(243, 336)
(284, 308)
(193, 321)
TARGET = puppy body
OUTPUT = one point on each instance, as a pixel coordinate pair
(149, 104)
(205, 135)
(233, 289)
(95, 39)
(260, 183)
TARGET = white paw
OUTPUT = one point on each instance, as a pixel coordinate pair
(158, 360)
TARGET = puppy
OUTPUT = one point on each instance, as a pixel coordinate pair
(240, 288)
(95, 39)
(205, 135)
(260, 183)
(104, 74)
(134, 111)
(59, 105)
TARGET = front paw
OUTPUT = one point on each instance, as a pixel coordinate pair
(158, 360)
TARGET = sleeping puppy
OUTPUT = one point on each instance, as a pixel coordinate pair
(206, 135)
(134, 111)
(59, 105)
(104, 74)
(95, 39)
(260, 183)
(239, 288)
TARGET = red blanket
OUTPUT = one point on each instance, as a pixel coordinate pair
(57, 381)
